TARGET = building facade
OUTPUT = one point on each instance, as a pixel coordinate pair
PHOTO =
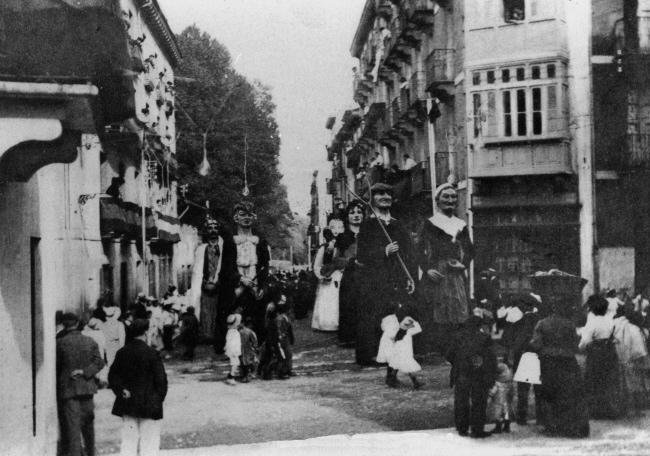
(87, 141)
(409, 90)
(538, 114)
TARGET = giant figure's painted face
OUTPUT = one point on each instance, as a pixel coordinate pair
(447, 201)
(244, 219)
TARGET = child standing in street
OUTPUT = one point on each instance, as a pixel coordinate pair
(233, 347)
(285, 339)
(248, 350)
(401, 359)
(390, 326)
(501, 395)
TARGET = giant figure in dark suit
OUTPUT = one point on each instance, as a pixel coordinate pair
(383, 282)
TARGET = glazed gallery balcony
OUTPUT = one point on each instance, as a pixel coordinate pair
(522, 159)
(68, 42)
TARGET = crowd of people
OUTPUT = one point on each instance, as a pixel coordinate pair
(387, 296)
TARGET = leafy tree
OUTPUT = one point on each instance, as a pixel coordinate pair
(231, 118)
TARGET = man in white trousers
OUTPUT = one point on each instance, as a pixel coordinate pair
(138, 379)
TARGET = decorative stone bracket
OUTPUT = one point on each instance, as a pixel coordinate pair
(41, 124)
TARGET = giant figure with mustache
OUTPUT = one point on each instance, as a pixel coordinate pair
(383, 282)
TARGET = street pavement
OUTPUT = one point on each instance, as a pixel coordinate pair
(333, 407)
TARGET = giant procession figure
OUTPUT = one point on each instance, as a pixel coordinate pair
(446, 252)
(384, 279)
(210, 293)
(251, 267)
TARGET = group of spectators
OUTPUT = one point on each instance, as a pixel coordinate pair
(93, 351)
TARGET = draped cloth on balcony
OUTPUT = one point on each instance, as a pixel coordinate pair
(124, 219)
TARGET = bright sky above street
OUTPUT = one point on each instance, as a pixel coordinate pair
(301, 48)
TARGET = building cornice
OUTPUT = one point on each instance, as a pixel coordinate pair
(365, 24)
(157, 22)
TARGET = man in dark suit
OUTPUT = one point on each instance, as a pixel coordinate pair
(473, 373)
(77, 362)
(138, 379)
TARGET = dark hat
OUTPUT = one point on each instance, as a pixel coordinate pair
(381, 186)
(139, 327)
(69, 318)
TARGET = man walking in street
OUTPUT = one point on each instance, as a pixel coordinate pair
(77, 362)
(138, 379)
(473, 373)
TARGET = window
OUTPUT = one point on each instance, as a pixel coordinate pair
(505, 75)
(507, 114)
(535, 72)
(537, 111)
(550, 70)
(521, 112)
(492, 125)
(476, 102)
(521, 74)
(476, 79)
(490, 77)
(514, 10)
(551, 109)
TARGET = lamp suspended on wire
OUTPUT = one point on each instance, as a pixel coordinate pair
(204, 167)
(245, 191)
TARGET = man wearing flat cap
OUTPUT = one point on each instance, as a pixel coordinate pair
(77, 362)
(383, 282)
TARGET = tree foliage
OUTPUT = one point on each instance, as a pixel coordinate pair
(237, 116)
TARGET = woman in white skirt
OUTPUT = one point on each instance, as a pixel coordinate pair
(326, 307)
(401, 358)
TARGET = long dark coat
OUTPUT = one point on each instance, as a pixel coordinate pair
(138, 369)
(76, 351)
(382, 281)
(346, 247)
(444, 305)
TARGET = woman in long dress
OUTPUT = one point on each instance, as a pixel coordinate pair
(633, 359)
(346, 248)
(602, 381)
(326, 307)
(555, 341)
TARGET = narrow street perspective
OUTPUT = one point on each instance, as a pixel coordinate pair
(345, 227)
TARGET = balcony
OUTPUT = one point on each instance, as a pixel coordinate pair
(54, 42)
(522, 159)
(638, 148)
(123, 220)
(420, 12)
(362, 88)
(439, 68)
